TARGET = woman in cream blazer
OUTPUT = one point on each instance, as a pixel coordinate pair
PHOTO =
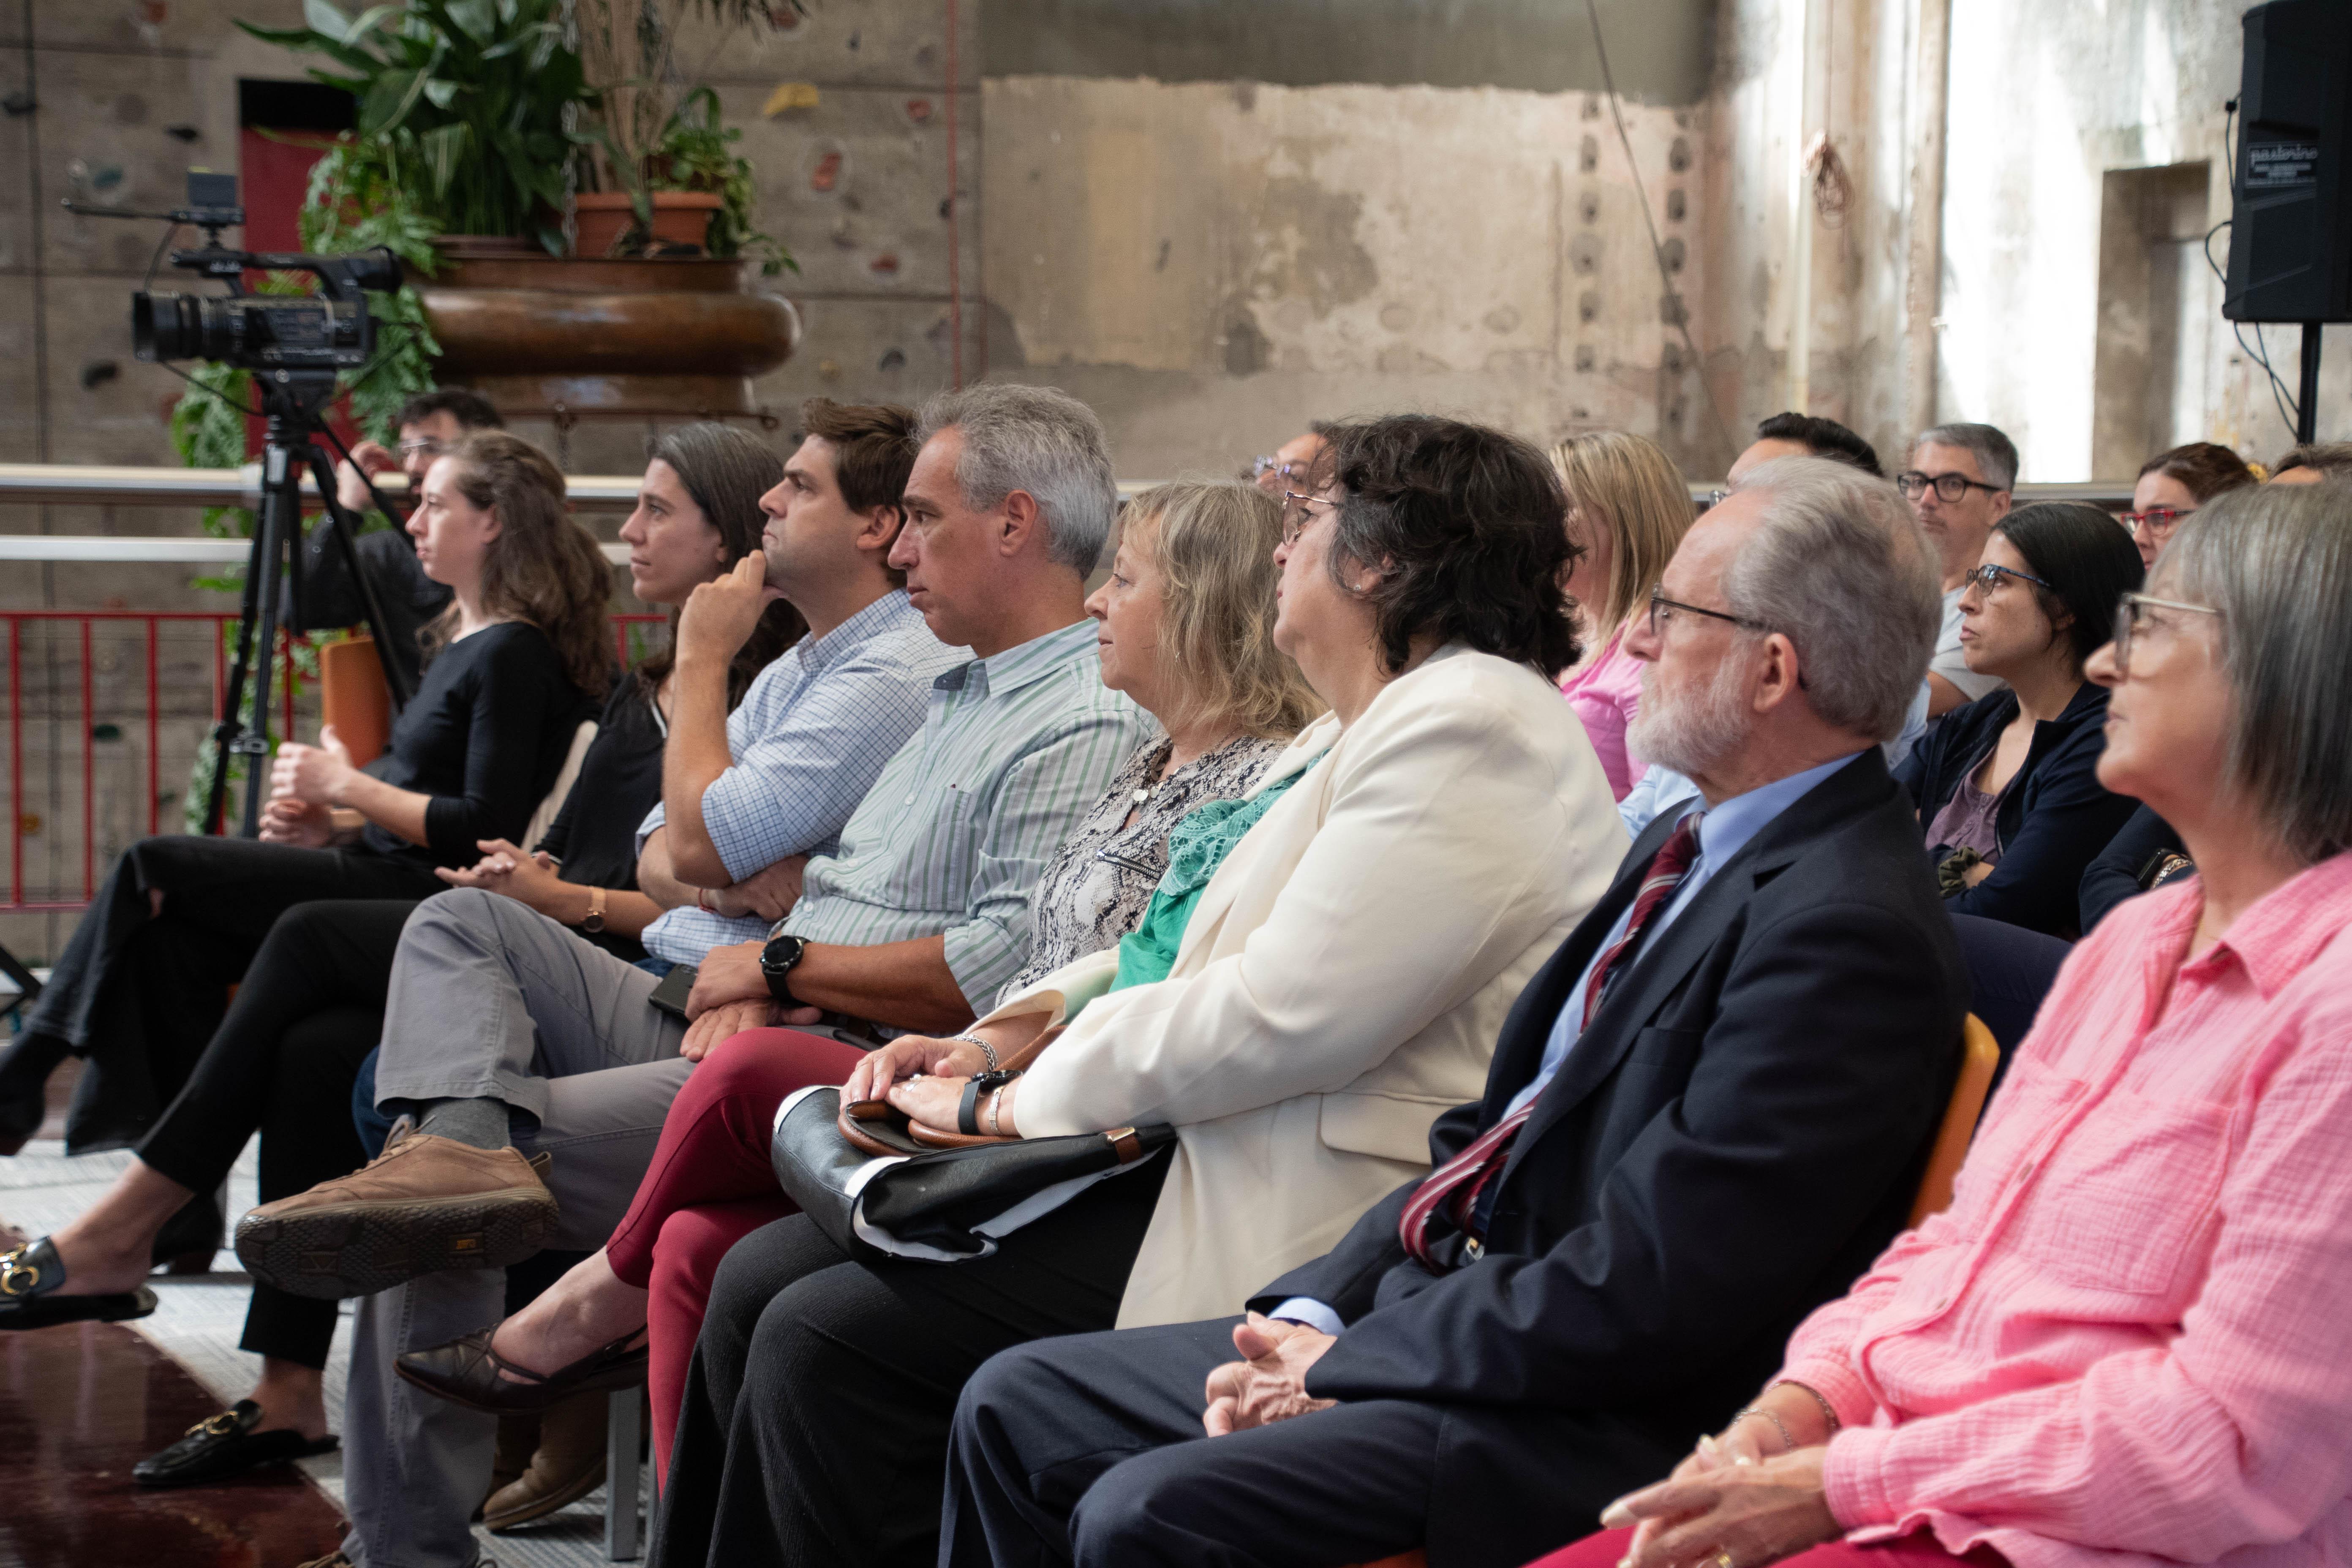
(1342, 980)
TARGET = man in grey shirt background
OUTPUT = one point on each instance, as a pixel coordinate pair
(1958, 486)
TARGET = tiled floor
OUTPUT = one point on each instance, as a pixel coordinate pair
(87, 1403)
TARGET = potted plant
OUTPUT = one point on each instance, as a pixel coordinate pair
(476, 107)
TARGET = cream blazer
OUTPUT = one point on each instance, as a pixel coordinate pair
(1343, 977)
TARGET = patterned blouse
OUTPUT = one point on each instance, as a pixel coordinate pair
(1094, 890)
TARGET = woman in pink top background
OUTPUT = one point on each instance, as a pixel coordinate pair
(2127, 1341)
(1628, 506)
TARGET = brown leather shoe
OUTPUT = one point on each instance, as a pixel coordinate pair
(425, 1205)
(569, 1465)
(518, 1441)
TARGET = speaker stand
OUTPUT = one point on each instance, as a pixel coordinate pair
(2306, 408)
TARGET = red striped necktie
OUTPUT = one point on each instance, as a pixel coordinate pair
(1454, 1186)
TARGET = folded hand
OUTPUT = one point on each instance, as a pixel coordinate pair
(1756, 1512)
(769, 894)
(1269, 1383)
(723, 1022)
(905, 1057)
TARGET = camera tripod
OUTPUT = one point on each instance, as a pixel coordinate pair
(291, 405)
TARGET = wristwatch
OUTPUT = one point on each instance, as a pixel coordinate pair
(776, 962)
(595, 921)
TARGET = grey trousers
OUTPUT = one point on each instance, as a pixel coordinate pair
(489, 998)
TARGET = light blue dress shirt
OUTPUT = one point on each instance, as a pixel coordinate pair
(1722, 833)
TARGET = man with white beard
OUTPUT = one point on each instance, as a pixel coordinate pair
(1706, 1115)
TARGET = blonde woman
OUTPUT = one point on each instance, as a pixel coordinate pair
(1628, 506)
(1185, 625)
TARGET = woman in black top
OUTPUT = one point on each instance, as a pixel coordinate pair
(519, 659)
(2009, 796)
(311, 1010)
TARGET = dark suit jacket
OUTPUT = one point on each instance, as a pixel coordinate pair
(1738, 1134)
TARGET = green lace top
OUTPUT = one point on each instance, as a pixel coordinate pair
(1197, 845)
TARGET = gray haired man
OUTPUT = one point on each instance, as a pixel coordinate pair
(1958, 486)
(917, 914)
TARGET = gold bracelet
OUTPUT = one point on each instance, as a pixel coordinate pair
(1829, 1411)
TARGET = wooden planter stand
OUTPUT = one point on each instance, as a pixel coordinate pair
(593, 338)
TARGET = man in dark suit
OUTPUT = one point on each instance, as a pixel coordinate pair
(1706, 1115)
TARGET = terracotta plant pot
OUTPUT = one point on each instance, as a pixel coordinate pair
(600, 217)
(666, 339)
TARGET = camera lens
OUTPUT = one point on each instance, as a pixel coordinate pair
(186, 326)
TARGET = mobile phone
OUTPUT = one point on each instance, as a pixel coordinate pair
(671, 993)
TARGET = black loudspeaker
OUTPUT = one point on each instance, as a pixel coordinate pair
(2291, 217)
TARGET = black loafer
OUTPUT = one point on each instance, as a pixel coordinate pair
(29, 1276)
(223, 1445)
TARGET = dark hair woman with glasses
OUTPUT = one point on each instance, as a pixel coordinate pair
(2007, 785)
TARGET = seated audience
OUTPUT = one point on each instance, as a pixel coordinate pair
(2008, 786)
(1793, 434)
(1339, 976)
(2313, 463)
(2144, 855)
(1186, 631)
(430, 424)
(2173, 484)
(1628, 506)
(502, 1030)
(1958, 487)
(310, 1007)
(2124, 1339)
(518, 660)
(1706, 1114)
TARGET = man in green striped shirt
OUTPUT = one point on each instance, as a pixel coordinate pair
(923, 911)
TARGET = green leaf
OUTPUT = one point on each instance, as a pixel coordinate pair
(441, 94)
(478, 19)
(326, 18)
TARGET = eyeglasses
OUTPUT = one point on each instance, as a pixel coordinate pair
(2159, 521)
(424, 447)
(1663, 611)
(1296, 514)
(1986, 577)
(1716, 498)
(2131, 609)
(1265, 466)
(1948, 487)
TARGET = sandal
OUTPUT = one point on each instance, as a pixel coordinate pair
(467, 1371)
(31, 1273)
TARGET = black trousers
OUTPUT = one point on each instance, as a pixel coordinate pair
(140, 996)
(1089, 1450)
(814, 1424)
(281, 1063)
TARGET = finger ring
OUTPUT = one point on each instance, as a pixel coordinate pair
(1722, 1559)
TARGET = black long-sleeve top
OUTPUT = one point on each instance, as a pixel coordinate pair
(595, 833)
(2122, 869)
(2054, 818)
(485, 736)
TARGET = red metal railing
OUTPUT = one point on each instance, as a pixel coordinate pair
(74, 631)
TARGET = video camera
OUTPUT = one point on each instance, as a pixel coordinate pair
(331, 330)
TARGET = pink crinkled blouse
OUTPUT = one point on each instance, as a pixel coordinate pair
(1606, 694)
(2129, 1339)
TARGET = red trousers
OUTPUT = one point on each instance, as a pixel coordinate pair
(709, 1185)
(1917, 1550)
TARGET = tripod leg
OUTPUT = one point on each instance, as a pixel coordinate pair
(338, 520)
(231, 727)
(281, 519)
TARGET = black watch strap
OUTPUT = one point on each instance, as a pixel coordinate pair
(967, 1111)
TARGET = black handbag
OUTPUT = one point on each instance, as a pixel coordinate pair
(939, 1205)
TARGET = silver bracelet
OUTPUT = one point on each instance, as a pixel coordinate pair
(996, 1113)
(985, 1049)
(1788, 1441)
(1829, 1411)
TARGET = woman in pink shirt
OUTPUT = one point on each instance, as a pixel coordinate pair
(2127, 1340)
(1628, 506)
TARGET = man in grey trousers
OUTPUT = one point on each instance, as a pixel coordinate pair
(539, 1073)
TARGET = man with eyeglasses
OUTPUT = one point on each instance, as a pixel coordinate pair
(430, 424)
(1290, 465)
(1958, 486)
